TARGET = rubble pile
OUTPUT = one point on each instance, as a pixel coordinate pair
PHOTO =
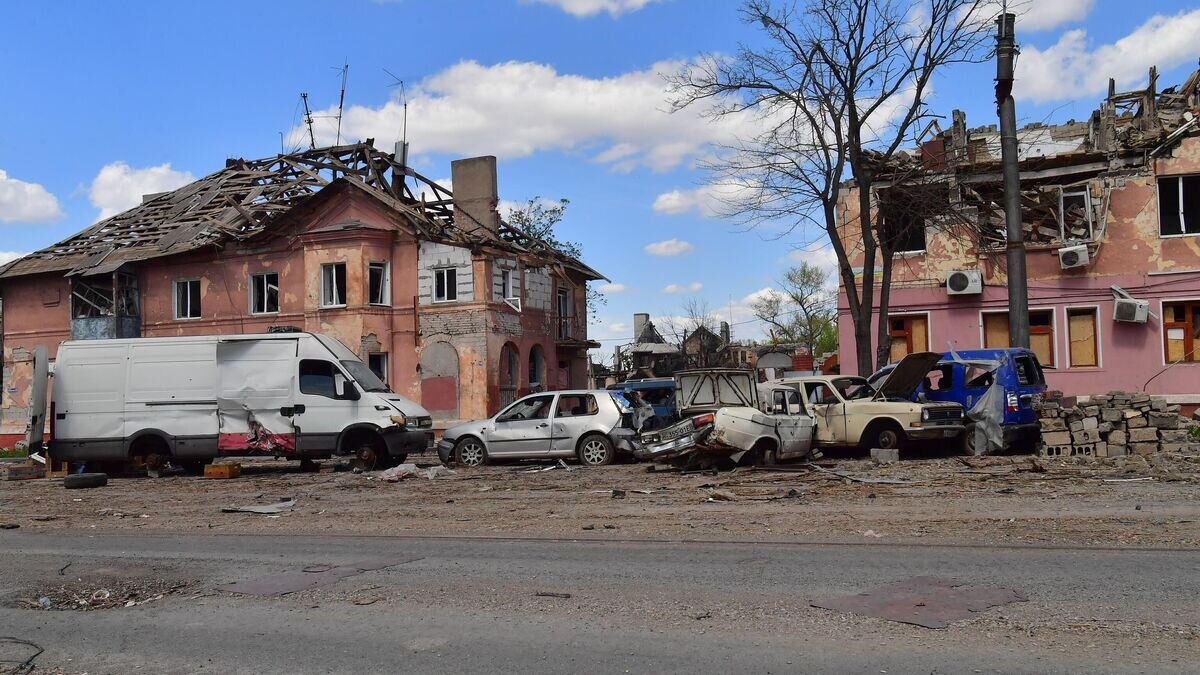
(1115, 424)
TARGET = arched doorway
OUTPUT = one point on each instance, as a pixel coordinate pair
(509, 374)
(537, 369)
(439, 380)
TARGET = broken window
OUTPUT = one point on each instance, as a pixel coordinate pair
(333, 285)
(379, 291)
(1181, 330)
(908, 334)
(1041, 333)
(187, 299)
(506, 284)
(1178, 205)
(1075, 215)
(904, 210)
(1082, 335)
(445, 285)
(537, 367)
(564, 314)
(264, 293)
(377, 362)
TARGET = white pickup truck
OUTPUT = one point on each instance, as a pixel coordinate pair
(722, 416)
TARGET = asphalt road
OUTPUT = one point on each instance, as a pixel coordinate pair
(471, 605)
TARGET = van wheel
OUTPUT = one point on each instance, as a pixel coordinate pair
(968, 444)
(470, 451)
(596, 450)
(370, 457)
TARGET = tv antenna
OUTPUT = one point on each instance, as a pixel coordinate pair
(308, 120)
(397, 82)
(341, 101)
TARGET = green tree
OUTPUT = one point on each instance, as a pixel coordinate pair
(538, 218)
(802, 311)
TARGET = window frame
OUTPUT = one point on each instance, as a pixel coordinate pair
(1162, 309)
(334, 372)
(345, 297)
(1094, 310)
(1053, 332)
(383, 357)
(199, 300)
(908, 330)
(1063, 194)
(385, 284)
(447, 288)
(1158, 186)
(506, 284)
(254, 289)
(595, 405)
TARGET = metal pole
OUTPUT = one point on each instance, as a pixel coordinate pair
(1018, 287)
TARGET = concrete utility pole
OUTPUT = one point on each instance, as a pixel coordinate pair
(1018, 287)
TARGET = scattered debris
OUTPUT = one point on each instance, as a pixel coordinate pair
(17, 655)
(264, 509)
(366, 601)
(9, 526)
(62, 571)
(702, 616)
(549, 594)
(81, 481)
(930, 602)
(721, 496)
(282, 584)
(589, 527)
(872, 533)
(618, 494)
(86, 595)
(223, 471)
(44, 519)
(1128, 480)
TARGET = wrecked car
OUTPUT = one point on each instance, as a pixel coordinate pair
(998, 388)
(588, 425)
(722, 417)
(849, 412)
(191, 399)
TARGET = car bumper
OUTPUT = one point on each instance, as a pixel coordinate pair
(408, 441)
(934, 433)
(445, 450)
(669, 448)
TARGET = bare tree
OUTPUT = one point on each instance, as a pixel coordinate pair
(693, 331)
(839, 87)
(539, 218)
(803, 311)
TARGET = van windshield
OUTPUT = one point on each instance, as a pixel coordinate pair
(364, 377)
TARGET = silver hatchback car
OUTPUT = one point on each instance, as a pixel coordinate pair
(589, 425)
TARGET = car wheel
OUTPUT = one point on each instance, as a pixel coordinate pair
(79, 481)
(887, 437)
(470, 452)
(596, 450)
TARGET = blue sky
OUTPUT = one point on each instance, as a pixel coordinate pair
(105, 102)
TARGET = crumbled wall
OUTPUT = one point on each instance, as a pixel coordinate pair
(499, 265)
(434, 256)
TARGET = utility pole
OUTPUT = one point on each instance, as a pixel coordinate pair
(1018, 286)
(308, 120)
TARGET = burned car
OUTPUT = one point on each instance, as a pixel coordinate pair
(721, 415)
(589, 425)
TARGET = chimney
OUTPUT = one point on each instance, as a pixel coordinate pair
(639, 324)
(476, 195)
(725, 335)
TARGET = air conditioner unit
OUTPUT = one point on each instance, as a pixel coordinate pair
(964, 282)
(1073, 256)
(515, 303)
(1130, 311)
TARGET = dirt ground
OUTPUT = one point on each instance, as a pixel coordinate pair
(1126, 502)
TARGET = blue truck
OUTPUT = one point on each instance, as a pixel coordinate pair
(967, 377)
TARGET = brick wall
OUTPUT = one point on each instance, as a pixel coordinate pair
(434, 256)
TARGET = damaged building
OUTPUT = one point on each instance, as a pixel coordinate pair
(447, 302)
(1111, 219)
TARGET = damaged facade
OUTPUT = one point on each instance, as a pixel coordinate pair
(1113, 201)
(452, 306)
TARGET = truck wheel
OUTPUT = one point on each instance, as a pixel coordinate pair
(79, 481)
(595, 450)
(469, 451)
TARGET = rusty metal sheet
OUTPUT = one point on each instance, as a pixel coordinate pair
(931, 602)
(293, 582)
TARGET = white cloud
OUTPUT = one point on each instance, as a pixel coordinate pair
(518, 108)
(714, 200)
(618, 328)
(9, 256)
(694, 287)
(612, 289)
(119, 187)
(585, 8)
(669, 247)
(22, 202)
(1073, 68)
(1047, 14)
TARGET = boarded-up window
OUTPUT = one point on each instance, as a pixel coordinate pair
(1082, 334)
(1041, 333)
(909, 334)
(1181, 326)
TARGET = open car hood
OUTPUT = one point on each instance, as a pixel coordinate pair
(907, 375)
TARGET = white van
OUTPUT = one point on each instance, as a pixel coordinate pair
(296, 395)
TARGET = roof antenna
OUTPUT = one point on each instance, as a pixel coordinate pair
(341, 101)
(402, 148)
(312, 139)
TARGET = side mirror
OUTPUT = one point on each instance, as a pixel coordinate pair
(339, 385)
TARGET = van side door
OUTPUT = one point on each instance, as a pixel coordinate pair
(326, 402)
(254, 396)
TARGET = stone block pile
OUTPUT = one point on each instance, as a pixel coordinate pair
(1113, 425)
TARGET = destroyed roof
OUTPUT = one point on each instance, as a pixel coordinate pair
(248, 197)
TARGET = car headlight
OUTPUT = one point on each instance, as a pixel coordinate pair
(925, 415)
(400, 420)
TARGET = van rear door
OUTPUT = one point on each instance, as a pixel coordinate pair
(254, 395)
(37, 399)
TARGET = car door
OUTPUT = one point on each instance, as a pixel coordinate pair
(574, 416)
(793, 424)
(523, 429)
(828, 412)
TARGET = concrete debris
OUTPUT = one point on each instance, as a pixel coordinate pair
(1114, 425)
(399, 473)
(263, 509)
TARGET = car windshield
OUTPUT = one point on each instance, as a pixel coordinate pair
(853, 388)
(363, 375)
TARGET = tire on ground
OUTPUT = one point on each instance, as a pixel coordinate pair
(79, 481)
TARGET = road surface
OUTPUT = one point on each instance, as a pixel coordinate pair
(471, 605)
